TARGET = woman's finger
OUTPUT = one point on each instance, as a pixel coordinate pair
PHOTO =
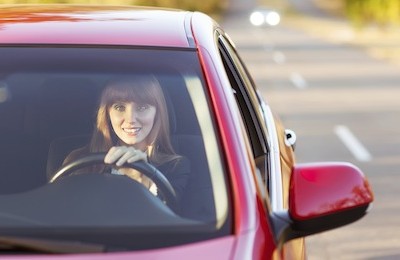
(129, 155)
(139, 156)
(122, 154)
(114, 154)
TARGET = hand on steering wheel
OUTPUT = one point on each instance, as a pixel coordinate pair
(164, 186)
(124, 154)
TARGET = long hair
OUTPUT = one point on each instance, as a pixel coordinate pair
(138, 89)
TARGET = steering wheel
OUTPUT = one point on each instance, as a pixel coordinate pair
(162, 183)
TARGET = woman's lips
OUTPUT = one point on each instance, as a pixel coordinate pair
(132, 130)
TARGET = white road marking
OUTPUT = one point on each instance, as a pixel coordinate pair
(352, 143)
(279, 57)
(298, 80)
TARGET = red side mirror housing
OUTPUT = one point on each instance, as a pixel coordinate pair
(327, 195)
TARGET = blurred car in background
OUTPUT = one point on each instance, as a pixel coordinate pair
(263, 16)
(246, 197)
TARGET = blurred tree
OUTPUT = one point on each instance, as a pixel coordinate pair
(380, 12)
(94, 2)
(206, 6)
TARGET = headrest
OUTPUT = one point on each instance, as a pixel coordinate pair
(65, 106)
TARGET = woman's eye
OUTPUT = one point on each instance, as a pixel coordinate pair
(142, 108)
(119, 107)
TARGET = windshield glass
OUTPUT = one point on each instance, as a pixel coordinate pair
(61, 105)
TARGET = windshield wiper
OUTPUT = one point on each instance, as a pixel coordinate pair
(48, 246)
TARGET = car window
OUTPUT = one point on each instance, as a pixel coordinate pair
(50, 105)
(249, 106)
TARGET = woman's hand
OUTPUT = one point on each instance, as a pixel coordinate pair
(124, 154)
(127, 154)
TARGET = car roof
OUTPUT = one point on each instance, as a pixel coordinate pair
(103, 25)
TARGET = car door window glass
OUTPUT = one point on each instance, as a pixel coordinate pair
(249, 108)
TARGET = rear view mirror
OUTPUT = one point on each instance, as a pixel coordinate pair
(326, 196)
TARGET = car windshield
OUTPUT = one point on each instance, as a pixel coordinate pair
(50, 107)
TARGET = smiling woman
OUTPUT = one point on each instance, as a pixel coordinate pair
(132, 125)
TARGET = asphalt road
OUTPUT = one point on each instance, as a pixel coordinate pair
(344, 106)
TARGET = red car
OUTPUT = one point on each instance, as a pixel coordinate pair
(221, 179)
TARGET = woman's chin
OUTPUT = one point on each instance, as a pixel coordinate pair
(128, 142)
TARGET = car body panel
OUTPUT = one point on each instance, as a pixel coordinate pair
(222, 248)
(89, 25)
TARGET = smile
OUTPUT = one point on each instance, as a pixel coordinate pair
(134, 130)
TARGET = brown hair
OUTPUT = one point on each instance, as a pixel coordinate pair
(139, 89)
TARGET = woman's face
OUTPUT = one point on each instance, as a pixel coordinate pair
(132, 122)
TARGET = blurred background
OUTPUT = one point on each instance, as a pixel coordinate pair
(331, 70)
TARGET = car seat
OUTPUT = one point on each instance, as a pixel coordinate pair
(22, 154)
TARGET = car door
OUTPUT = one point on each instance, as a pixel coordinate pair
(266, 136)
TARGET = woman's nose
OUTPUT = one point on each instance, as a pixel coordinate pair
(130, 115)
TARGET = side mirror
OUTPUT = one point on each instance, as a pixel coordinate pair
(326, 196)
